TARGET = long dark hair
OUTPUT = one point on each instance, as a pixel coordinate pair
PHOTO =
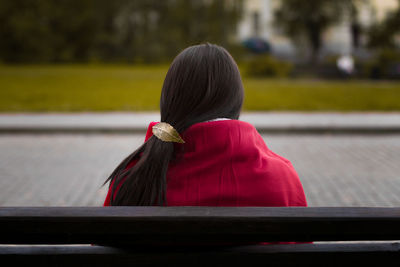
(202, 83)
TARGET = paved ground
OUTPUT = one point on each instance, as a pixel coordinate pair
(68, 170)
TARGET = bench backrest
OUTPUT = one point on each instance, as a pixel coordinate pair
(194, 225)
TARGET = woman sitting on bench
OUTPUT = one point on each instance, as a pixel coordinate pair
(201, 154)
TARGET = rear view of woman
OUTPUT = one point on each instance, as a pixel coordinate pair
(201, 154)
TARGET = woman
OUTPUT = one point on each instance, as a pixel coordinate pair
(216, 160)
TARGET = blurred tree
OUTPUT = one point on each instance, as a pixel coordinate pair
(383, 35)
(52, 30)
(309, 19)
(156, 30)
(355, 25)
(118, 30)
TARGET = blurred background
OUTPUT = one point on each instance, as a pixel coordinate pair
(81, 79)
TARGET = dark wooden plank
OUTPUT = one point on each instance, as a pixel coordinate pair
(195, 225)
(336, 254)
(140, 211)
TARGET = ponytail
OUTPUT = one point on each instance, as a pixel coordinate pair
(145, 183)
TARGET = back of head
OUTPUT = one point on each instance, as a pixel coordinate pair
(202, 83)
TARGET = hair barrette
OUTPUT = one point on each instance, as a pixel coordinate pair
(165, 132)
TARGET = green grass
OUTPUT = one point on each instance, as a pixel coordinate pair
(73, 88)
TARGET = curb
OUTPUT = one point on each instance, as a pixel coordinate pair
(288, 130)
(137, 123)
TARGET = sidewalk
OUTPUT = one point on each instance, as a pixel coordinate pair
(270, 122)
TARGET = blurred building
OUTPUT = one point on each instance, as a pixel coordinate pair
(258, 16)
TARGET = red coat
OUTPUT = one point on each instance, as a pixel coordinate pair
(227, 163)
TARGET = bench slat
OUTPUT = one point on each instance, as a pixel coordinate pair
(194, 225)
(336, 254)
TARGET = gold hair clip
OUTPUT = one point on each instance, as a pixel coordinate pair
(165, 132)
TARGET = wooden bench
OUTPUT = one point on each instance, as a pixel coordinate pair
(199, 236)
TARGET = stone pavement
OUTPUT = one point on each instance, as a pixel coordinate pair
(359, 167)
(68, 170)
(282, 122)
